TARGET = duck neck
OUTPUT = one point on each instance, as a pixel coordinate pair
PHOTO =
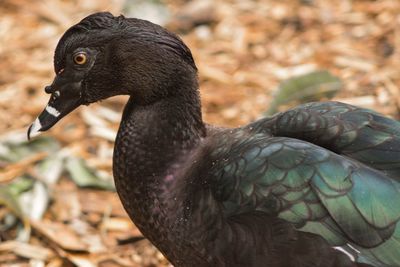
(151, 142)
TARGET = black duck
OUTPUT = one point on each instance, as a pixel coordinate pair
(281, 191)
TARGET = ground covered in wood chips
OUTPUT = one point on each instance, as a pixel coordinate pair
(54, 208)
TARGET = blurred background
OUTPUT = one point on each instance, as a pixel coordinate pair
(58, 206)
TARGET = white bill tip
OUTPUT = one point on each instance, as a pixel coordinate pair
(34, 130)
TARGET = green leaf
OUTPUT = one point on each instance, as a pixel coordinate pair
(83, 176)
(10, 200)
(20, 185)
(15, 151)
(50, 168)
(305, 88)
(9, 195)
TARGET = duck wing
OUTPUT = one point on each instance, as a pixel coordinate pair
(341, 199)
(358, 133)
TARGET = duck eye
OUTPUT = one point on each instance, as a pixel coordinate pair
(80, 58)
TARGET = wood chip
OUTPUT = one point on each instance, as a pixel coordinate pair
(60, 234)
(15, 170)
(28, 251)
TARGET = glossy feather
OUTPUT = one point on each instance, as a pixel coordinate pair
(348, 197)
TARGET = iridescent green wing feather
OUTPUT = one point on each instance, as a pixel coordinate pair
(318, 191)
(361, 134)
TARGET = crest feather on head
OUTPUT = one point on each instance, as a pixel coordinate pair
(129, 27)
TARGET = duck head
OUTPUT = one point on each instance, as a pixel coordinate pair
(103, 56)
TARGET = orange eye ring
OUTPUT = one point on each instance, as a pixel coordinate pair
(80, 58)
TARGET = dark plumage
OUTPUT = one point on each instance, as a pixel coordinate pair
(282, 191)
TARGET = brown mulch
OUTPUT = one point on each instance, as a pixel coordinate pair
(243, 50)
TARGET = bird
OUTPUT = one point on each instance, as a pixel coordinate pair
(316, 185)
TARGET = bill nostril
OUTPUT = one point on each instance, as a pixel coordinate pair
(48, 89)
(55, 95)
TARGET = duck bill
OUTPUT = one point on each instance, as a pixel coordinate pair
(58, 106)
